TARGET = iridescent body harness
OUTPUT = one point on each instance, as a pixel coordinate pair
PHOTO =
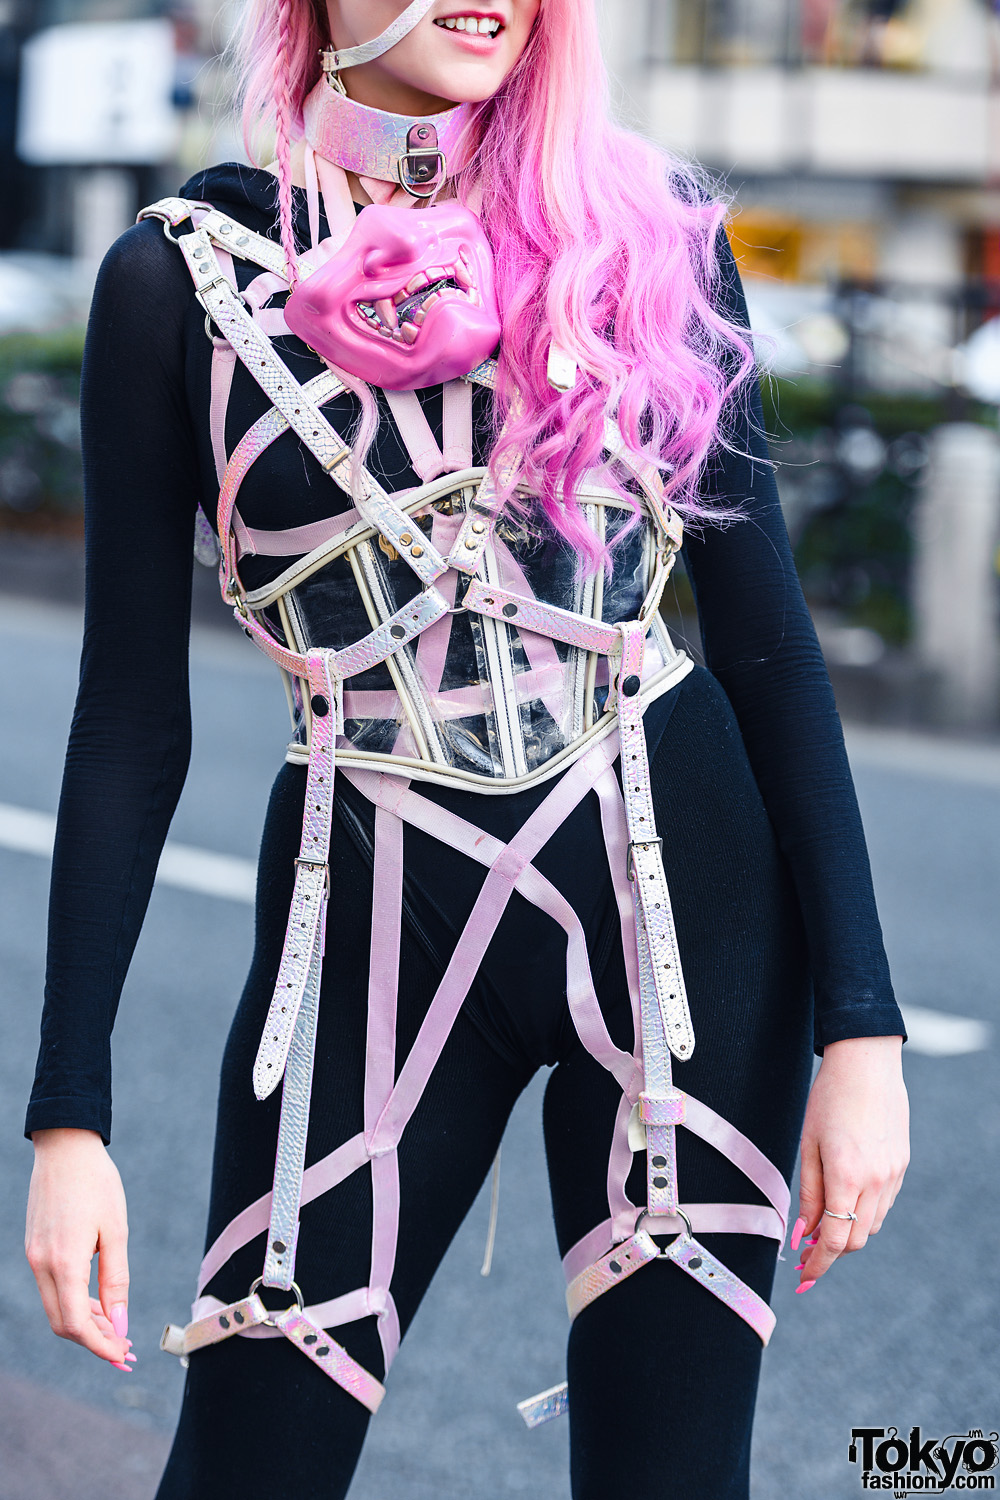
(424, 636)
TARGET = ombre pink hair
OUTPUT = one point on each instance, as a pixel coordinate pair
(602, 243)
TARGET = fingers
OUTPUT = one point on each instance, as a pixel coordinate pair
(76, 1209)
(839, 1237)
(810, 1191)
(73, 1316)
(112, 1277)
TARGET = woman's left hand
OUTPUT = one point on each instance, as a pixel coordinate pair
(855, 1149)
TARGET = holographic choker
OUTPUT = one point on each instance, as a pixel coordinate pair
(372, 143)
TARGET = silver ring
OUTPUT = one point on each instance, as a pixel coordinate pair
(269, 1321)
(645, 1214)
(840, 1216)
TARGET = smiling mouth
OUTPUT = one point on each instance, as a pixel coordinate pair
(472, 25)
(399, 317)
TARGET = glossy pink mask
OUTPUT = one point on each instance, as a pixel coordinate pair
(407, 301)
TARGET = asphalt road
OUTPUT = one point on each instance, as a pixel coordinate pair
(901, 1335)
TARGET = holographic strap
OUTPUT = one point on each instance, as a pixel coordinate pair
(364, 52)
(645, 862)
(546, 1406)
(620, 1262)
(297, 1326)
(256, 351)
(238, 1317)
(687, 1253)
(544, 619)
(306, 919)
(332, 1358)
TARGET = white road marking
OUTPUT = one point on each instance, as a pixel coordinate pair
(941, 1035)
(181, 865)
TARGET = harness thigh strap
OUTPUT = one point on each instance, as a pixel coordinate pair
(685, 1252)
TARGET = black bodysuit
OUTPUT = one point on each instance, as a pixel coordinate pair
(763, 849)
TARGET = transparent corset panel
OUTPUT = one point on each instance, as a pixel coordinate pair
(472, 694)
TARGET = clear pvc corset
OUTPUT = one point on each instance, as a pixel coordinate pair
(470, 698)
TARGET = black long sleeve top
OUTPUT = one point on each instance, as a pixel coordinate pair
(148, 462)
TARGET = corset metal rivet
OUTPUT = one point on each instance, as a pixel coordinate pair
(319, 706)
(510, 609)
(397, 632)
(406, 538)
(417, 552)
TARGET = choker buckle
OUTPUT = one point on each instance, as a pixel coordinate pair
(423, 166)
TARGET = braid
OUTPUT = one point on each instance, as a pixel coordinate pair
(282, 119)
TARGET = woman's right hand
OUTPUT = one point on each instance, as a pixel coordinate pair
(76, 1209)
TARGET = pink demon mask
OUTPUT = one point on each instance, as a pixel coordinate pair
(407, 301)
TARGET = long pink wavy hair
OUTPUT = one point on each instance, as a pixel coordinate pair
(602, 242)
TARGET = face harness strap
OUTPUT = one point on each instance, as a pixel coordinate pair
(364, 52)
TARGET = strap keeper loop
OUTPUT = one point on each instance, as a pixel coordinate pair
(663, 1109)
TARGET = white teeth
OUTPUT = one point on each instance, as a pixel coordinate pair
(483, 26)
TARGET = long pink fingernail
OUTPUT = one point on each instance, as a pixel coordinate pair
(132, 1357)
(126, 1368)
(119, 1319)
(800, 1265)
(804, 1286)
(797, 1229)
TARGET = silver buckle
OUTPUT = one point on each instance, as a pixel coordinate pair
(638, 844)
(317, 864)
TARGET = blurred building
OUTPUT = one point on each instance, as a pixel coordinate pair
(70, 72)
(861, 139)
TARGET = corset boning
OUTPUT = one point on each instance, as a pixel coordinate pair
(472, 697)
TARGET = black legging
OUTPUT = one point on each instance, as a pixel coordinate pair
(743, 952)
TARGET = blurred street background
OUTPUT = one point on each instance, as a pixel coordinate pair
(859, 141)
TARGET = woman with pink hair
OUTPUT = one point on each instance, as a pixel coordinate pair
(517, 826)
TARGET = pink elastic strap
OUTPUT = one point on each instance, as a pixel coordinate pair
(456, 425)
(539, 650)
(741, 1151)
(383, 974)
(432, 647)
(341, 213)
(380, 1061)
(623, 1210)
(312, 194)
(318, 1179)
(415, 430)
(295, 541)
